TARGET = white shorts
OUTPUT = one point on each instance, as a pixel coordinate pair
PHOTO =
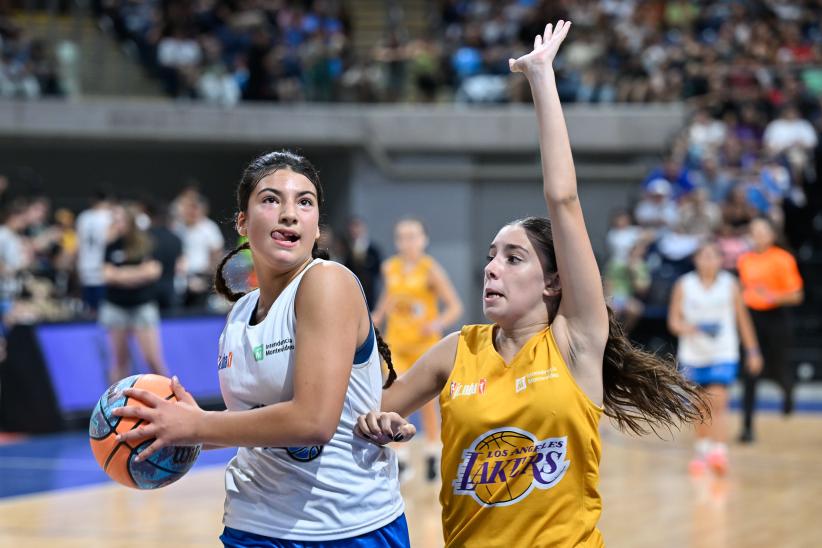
(119, 317)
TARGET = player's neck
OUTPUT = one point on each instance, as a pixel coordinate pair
(272, 285)
(510, 339)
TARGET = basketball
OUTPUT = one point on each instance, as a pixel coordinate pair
(117, 459)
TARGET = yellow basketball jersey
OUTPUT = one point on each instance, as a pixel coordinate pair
(412, 304)
(521, 448)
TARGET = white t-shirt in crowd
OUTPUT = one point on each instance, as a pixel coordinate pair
(200, 240)
(92, 236)
(781, 134)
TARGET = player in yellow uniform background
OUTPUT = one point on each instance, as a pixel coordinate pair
(522, 398)
(415, 285)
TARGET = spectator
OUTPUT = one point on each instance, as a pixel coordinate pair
(363, 258)
(656, 209)
(130, 273)
(92, 239)
(202, 248)
(168, 251)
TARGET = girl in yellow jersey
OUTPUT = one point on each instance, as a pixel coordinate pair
(522, 398)
(415, 285)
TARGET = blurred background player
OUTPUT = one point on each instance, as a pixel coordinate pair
(771, 284)
(415, 287)
(129, 307)
(708, 316)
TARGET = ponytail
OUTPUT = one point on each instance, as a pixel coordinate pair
(220, 284)
(643, 391)
(385, 352)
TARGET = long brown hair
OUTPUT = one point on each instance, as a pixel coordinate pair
(642, 391)
(259, 168)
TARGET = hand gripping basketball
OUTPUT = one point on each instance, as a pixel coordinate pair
(380, 427)
(169, 422)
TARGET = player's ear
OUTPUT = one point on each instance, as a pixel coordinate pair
(240, 224)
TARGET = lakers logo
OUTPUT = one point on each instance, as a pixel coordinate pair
(504, 465)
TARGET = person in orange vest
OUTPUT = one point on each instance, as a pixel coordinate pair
(771, 284)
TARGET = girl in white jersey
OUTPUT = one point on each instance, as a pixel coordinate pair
(293, 389)
(708, 316)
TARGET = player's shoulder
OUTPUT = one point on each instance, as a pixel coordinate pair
(328, 275)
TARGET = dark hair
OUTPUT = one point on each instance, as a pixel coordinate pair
(262, 167)
(641, 390)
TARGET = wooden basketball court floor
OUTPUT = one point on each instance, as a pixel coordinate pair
(771, 498)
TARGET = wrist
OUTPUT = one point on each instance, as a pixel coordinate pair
(753, 352)
(201, 426)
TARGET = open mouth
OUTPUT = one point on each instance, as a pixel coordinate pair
(284, 237)
(492, 294)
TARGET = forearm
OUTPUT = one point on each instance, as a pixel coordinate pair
(450, 315)
(279, 425)
(558, 173)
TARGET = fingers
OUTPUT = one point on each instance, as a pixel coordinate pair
(405, 432)
(143, 432)
(385, 425)
(564, 32)
(148, 398)
(179, 392)
(548, 31)
(133, 412)
(373, 424)
(537, 41)
(150, 450)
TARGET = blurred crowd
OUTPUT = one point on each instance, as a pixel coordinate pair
(31, 67)
(222, 51)
(730, 165)
(52, 263)
(620, 51)
(635, 51)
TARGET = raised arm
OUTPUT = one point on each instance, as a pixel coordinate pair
(583, 302)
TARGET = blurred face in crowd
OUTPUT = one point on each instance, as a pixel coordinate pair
(621, 220)
(281, 220)
(191, 210)
(514, 288)
(410, 239)
(762, 234)
(708, 260)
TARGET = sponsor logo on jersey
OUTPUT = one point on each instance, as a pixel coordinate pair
(535, 377)
(259, 353)
(458, 389)
(504, 465)
(224, 362)
(283, 345)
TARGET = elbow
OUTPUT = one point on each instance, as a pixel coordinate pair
(319, 432)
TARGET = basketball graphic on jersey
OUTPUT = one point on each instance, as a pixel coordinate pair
(304, 454)
(504, 465)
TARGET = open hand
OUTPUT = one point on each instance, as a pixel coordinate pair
(380, 427)
(545, 49)
(169, 422)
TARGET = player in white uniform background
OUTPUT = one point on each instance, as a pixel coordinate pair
(708, 315)
(298, 363)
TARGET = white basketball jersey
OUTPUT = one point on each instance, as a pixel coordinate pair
(712, 309)
(343, 489)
